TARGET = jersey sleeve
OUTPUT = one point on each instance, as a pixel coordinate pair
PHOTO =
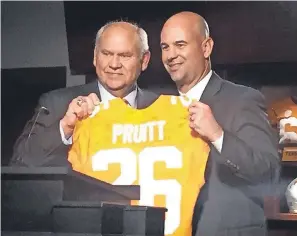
(78, 152)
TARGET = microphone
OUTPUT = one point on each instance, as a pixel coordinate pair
(41, 109)
(18, 158)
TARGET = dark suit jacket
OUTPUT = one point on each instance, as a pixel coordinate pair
(230, 202)
(45, 146)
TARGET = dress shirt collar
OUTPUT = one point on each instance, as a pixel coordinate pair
(197, 90)
(106, 96)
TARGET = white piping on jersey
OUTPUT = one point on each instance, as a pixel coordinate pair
(104, 105)
(186, 101)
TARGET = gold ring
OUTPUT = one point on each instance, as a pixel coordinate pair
(80, 101)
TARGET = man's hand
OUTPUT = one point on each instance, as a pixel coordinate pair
(79, 109)
(203, 121)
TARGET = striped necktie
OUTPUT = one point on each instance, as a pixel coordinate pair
(126, 102)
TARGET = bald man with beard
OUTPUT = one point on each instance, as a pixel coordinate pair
(232, 118)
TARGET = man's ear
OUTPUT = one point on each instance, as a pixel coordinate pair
(145, 60)
(95, 56)
(207, 47)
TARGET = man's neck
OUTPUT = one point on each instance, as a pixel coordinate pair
(186, 87)
(121, 93)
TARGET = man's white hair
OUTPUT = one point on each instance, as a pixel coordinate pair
(143, 38)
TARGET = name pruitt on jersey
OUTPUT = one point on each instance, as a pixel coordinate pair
(140, 133)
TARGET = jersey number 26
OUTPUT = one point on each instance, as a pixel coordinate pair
(149, 187)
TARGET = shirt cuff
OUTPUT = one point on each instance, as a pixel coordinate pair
(64, 140)
(218, 144)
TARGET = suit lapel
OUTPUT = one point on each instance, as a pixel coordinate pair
(213, 86)
(139, 98)
(93, 88)
(208, 97)
(175, 92)
(145, 98)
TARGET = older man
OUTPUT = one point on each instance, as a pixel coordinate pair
(121, 53)
(232, 118)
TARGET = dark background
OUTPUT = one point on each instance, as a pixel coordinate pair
(255, 45)
(19, 97)
(250, 37)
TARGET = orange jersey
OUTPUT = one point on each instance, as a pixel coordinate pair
(283, 115)
(153, 148)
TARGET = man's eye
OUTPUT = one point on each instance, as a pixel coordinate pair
(105, 53)
(180, 45)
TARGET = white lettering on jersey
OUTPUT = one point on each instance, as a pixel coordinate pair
(95, 111)
(185, 101)
(142, 167)
(131, 133)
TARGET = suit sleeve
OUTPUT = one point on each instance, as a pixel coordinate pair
(44, 147)
(250, 147)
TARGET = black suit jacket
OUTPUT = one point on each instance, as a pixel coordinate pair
(45, 146)
(230, 202)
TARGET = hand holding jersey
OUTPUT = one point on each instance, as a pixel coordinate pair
(79, 108)
(203, 121)
(153, 147)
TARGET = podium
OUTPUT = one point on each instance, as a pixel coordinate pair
(58, 200)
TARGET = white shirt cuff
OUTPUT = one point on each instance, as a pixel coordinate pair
(218, 144)
(64, 140)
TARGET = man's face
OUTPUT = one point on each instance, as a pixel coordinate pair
(118, 59)
(182, 53)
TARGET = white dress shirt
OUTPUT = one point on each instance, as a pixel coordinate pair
(105, 96)
(196, 93)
